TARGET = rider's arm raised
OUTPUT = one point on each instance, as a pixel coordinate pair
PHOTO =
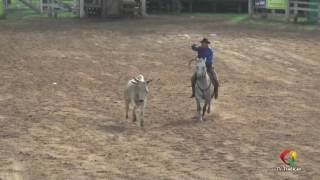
(195, 47)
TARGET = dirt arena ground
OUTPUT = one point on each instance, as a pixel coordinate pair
(62, 110)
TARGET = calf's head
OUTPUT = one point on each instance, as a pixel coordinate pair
(142, 90)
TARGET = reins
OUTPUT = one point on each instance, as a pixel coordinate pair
(203, 90)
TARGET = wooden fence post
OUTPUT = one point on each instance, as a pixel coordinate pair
(49, 8)
(319, 12)
(239, 7)
(295, 5)
(190, 6)
(287, 10)
(81, 9)
(250, 7)
(143, 7)
(41, 6)
(295, 11)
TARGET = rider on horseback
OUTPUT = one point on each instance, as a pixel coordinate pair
(205, 52)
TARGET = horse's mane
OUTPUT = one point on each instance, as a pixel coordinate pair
(199, 60)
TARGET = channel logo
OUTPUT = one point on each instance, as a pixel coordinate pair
(289, 157)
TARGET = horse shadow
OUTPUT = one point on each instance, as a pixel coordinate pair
(127, 127)
(191, 121)
(179, 123)
(113, 129)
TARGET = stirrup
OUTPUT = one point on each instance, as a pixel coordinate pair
(215, 95)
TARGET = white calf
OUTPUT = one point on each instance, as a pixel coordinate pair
(136, 96)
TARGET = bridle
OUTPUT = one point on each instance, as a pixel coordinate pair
(197, 84)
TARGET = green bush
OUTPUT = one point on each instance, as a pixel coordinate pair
(1, 9)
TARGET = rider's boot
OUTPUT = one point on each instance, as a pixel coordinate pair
(193, 91)
(216, 90)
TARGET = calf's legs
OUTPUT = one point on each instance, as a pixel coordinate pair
(134, 114)
(127, 109)
(141, 116)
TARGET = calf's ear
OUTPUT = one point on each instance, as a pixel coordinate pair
(149, 81)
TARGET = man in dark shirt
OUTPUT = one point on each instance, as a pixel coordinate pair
(205, 52)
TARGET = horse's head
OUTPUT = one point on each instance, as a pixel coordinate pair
(201, 69)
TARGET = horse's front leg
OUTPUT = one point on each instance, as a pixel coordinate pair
(199, 108)
(209, 107)
(204, 109)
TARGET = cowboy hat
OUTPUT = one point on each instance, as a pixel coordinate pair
(205, 40)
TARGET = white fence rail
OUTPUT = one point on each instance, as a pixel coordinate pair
(295, 10)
